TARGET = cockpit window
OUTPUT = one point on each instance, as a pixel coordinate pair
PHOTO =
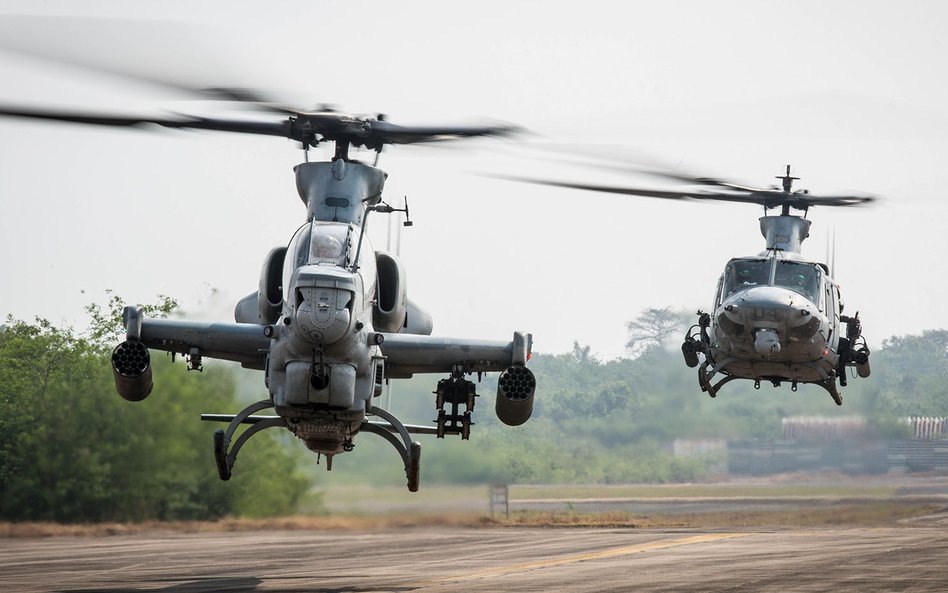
(744, 274)
(798, 277)
(329, 244)
(315, 243)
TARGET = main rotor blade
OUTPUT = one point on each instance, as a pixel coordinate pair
(638, 164)
(844, 200)
(611, 189)
(769, 198)
(173, 59)
(390, 133)
(197, 123)
(309, 129)
(712, 181)
(766, 198)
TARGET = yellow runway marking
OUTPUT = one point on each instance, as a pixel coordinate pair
(609, 553)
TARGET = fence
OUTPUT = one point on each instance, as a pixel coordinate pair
(853, 457)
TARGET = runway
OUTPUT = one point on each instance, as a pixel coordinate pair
(911, 558)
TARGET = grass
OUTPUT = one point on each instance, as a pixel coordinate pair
(299, 523)
(577, 492)
(861, 503)
(873, 514)
(876, 514)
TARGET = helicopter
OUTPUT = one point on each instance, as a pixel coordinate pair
(777, 316)
(330, 321)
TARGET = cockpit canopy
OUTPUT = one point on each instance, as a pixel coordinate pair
(325, 244)
(801, 277)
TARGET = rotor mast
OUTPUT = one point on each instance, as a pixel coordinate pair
(787, 180)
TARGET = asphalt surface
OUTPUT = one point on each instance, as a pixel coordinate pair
(909, 558)
(712, 504)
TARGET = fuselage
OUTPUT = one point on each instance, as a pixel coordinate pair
(775, 317)
(324, 367)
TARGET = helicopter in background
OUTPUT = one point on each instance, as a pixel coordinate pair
(330, 321)
(777, 316)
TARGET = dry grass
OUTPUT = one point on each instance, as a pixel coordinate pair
(834, 503)
(718, 490)
(337, 522)
(873, 514)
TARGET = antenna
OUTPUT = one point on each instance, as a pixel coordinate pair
(408, 221)
(830, 258)
(787, 180)
(833, 260)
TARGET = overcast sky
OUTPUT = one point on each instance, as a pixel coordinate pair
(852, 94)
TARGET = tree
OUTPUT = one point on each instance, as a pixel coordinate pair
(72, 450)
(653, 328)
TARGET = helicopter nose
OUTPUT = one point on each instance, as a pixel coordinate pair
(760, 304)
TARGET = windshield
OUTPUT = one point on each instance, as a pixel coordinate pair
(798, 277)
(744, 274)
(314, 243)
(329, 244)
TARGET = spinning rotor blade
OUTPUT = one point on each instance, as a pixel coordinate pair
(772, 198)
(246, 127)
(853, 200)
(712, 181)
(390, 133)
(172, 52)
(91, 43)
(601, 158)
(307, 128)
(698, 187)
(614, 189)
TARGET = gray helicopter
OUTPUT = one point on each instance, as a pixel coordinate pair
(330, 321)
(777, 316)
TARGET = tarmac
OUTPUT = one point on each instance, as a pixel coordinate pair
(912, 557)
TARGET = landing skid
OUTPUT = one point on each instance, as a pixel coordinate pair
(225, 458)
(704, 381)
(409, 450)
(830, 386)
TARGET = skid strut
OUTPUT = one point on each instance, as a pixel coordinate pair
(409, 450)
(222, 439)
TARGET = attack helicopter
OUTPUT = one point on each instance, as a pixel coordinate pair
(777, 316)
(330, 321)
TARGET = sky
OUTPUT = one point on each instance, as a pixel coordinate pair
(852, 94)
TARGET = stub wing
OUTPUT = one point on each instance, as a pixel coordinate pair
(241, 342)
(408, 354)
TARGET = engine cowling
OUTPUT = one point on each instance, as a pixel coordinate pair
(417, 320)
(266, 305)
(131, 369)
(515, 389)
(270, 290)
(392, 302)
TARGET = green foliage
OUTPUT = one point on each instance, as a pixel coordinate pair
(613, 421)
(72, 450)
(915, 381)
(106, 326)
(654, 328)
